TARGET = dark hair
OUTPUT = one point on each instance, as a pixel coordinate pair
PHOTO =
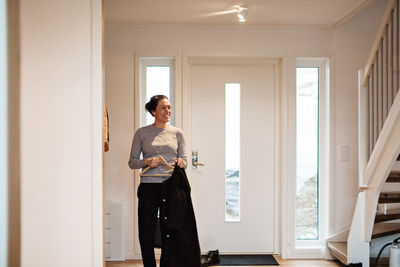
(152, 104)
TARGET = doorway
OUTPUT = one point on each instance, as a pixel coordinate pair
(234, 131)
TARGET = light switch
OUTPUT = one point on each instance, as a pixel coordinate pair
(344, 152)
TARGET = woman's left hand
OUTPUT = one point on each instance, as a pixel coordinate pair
(180, 162)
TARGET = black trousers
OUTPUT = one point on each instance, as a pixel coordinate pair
(149, 195)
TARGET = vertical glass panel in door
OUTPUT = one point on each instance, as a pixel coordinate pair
(232, 152)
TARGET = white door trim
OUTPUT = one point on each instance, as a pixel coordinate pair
(288, 165)
(97, 92)
(188, 61)
(3, 135)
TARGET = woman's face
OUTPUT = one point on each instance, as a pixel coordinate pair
(163, 111)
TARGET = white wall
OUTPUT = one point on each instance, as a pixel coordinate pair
(123, 41)
(351, 44)
(61, 133)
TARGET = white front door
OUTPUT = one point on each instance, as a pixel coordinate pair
(248, 224)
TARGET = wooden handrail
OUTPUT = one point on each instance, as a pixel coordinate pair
(381, 33)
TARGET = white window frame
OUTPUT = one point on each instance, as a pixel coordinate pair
(156, 61)
(3, 135)
(324, 145)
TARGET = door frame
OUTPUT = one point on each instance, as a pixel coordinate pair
(289, 249)
(4, 135)
(279, 64)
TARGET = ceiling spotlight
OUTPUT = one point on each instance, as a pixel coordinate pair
(241, 13)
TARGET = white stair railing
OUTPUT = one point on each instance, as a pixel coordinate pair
(378, 109)
(383, 157)
(379, 129)
(386, 150)
(380, 82)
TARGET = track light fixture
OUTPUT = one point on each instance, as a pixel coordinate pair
(241, 13)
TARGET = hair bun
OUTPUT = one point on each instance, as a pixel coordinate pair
(152, 104)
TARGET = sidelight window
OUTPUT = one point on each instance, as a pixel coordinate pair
(157, 78)
(307, 153)
(311, 151)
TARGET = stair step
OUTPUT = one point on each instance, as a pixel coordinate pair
(339, 251)
(389, 197)
(394, 177)
(392, 214)
(385, 229)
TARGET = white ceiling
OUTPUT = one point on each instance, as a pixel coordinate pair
(303, 13)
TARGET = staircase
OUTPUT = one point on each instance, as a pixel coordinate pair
(379, 147)
(385, 223)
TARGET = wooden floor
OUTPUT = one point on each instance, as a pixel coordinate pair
(287, 263)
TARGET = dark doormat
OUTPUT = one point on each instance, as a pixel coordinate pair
(249, 260)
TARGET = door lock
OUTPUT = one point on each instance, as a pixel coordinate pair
(195, 159)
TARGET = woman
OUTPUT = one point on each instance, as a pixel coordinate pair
(157, 139)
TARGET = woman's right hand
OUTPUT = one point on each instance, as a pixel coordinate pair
(152, 162)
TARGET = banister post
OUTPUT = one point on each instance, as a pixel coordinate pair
(363, 140)
(357, 242)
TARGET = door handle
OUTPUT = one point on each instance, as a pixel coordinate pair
(195, 159)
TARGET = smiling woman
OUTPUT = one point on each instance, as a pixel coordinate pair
(158, 142)
(162, 113)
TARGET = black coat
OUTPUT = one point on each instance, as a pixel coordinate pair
(180, 242)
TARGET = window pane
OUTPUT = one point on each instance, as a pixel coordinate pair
(157, 83)
(232, 152)
(307, 115)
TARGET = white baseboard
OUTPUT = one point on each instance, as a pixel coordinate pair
(307, 253)
(132, 256)
(138, 256)
(294, 254)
